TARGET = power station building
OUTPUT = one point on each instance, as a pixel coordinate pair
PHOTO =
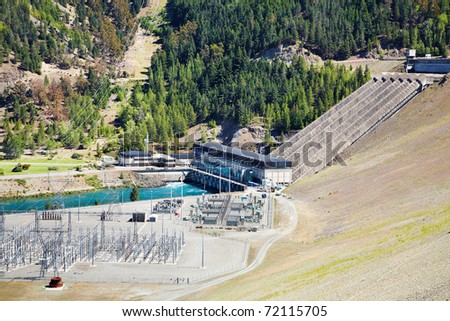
(138, 158)
(238, 165)
(426, 64)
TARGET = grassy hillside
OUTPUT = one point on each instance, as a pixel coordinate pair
(376, 229)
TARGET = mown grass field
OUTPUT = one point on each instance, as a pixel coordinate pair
(39, 165)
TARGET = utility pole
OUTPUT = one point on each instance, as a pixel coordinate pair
(69, 226)
(151, 202)
(203, 251)
(123, 149)
(146, 148)
(229, 180)
(162, 224)
(182, 183)
(220, 180)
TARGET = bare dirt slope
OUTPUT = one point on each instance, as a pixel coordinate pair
(376, 66)
(138, 57)
(376, 229)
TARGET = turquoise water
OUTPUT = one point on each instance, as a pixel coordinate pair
(103, 197)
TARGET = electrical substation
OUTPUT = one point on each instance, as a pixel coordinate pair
(55, 243)
(160, 241)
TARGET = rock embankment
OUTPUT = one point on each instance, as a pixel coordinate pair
(27, 185)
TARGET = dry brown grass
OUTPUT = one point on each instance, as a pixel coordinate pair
(375, 66)
(138, 57)
(36, 291)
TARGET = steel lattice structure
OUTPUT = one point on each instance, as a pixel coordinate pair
(51, 242)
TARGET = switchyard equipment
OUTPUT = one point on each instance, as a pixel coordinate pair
(228, 210)
(50, 242)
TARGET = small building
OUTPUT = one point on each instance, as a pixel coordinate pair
(134, 158)
(183, 158)
(138, 217)
(107, 160)
(426, 64)
(411, 53)
(163, 160)
(138, 158)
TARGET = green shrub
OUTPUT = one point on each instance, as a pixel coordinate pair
(26, 166)
(110, 146)
(134, 196)
(17, 168)
(76, 156)
(120, 96)
(79, 168)
(2, 172)
(21, 182)
(93, 181)
(53, 168)
(212, 124)
(48, 205)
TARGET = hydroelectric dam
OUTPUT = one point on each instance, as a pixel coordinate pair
(312, 149)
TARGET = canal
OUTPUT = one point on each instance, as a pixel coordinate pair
(102, 197)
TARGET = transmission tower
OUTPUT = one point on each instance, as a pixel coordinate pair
(58, 186)
(50, 231)
(115, 206)
(46, 237)
(51, 235)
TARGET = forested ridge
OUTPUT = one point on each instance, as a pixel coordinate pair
(334, 28)
(45, 30)
(207, 71)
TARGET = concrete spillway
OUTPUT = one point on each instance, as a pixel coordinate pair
(314, 147)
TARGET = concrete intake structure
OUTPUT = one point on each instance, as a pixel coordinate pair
(315, 147)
